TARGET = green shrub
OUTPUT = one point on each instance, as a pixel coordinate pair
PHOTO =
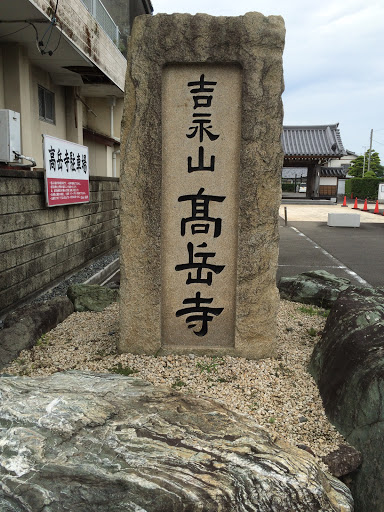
(121, 370)
(363, 188)
(178, 384)
(288, 187)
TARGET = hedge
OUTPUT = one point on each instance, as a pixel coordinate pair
(363, 188)
(288, 187)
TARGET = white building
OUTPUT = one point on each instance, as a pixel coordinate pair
(64, 73)
(344, 161)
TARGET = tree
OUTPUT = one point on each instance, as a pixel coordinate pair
(356, 168)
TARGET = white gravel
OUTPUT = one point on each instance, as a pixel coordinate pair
(278, 392)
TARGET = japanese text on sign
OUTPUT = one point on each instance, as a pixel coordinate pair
(66, 171)
(199, 312)
(199, 203)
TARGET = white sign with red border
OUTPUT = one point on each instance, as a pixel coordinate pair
(66, 172)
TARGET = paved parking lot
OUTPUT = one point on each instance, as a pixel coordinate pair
(307, 243)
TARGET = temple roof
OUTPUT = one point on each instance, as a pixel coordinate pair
(312, 142)
(333, 172)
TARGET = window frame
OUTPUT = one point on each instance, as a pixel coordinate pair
(42, 104)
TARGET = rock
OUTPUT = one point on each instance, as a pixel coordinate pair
(91, 297)
(114, 285)
(317, 287)
(348, 366)
(306, 448)
(81, 441)
(24, 326)
(343, 461)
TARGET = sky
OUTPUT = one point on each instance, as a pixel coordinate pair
(333, 61)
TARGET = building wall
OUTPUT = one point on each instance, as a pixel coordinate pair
(1, 80)
(328, 180)
(341, 187)
(98, 153)
(41, 245)
(344, 160)
(124, 12)
(101, 122)
(19, 82)
(38, 126)
(101, 155)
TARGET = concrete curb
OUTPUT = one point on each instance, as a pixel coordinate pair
(102, 276)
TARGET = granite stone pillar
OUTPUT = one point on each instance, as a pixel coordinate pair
(200, 185)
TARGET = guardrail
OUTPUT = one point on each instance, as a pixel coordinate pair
(102, 16)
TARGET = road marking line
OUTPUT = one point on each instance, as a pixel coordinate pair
(338, 263)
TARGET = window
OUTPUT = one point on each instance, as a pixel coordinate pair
(46, 105)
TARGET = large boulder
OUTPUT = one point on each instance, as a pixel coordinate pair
(317, 287)
(24, 326)
(85, 442)
(348, 366)
(91, 297)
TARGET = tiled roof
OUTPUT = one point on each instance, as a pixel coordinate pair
(333, 172)
(312, 141)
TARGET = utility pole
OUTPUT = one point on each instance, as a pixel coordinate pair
(370, 151)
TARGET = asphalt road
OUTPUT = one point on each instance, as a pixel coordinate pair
(354, 253)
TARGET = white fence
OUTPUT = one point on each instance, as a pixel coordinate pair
(102, 16)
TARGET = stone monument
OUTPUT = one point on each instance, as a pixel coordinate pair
(200, 185)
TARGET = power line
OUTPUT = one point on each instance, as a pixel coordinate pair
(58, 42)
(52, 23)
(15, 32)
(41, 45)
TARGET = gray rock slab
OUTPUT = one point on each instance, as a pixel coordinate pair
(348, 366)
(85, 442)
(317, 287)
(24, 326)
(91, 297)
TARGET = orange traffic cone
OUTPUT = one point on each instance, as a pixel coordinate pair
(365, 207)
(352, 195)
(376, 210)
(355, 205)
(345, 201)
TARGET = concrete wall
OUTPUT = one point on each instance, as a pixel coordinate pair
(324, 180)
(101, 122)
(41, 245)
(1, 81)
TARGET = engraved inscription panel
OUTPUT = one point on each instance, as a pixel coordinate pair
(201, 129)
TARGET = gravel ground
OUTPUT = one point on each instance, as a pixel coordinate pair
(278, 392)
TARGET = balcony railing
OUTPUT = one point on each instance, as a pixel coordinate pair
(102, 16)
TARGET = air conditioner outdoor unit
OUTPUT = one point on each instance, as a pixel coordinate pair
(9, 135)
